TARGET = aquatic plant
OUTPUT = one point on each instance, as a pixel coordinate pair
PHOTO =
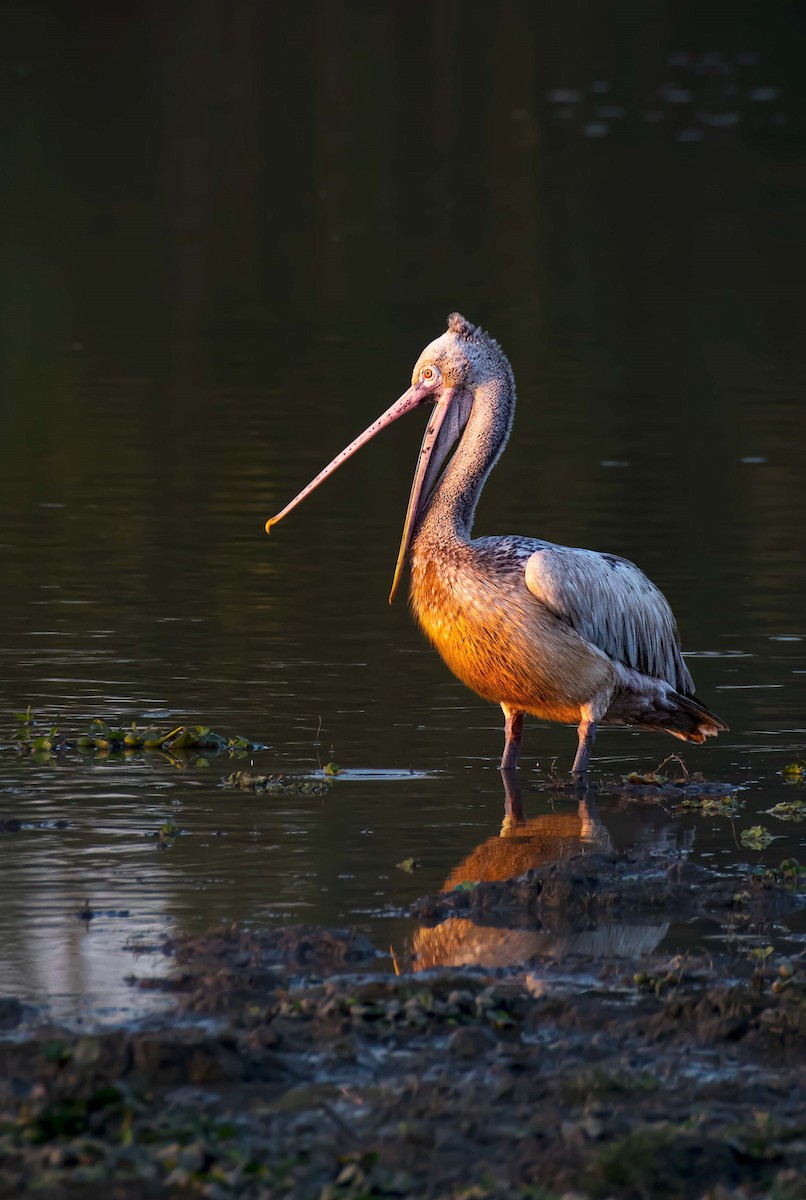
(250, 781)
(789, 874)
(788, 810)
(103, 737)
(409, 865)
(728, 805)
(30, 740)
(757, 837)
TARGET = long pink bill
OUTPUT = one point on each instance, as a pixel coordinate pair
(414, 397)
(449, 419)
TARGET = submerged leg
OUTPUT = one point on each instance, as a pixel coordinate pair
(587, 736)
(512, 734)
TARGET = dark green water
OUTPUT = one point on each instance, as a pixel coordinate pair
(226, 232)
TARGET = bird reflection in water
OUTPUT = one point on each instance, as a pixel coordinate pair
(523, 844)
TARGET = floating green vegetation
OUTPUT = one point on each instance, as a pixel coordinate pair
(795, 772)
(102, 738)
(250, 781)
(409, 865)
(712, 806)
(789, 810)
(31, 738)
(757, 837)
(168, 831)
(789, 873)
(651, 778)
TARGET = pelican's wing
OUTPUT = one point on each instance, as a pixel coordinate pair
(612, 604)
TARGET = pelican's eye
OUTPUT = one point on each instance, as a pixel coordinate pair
(429, 374)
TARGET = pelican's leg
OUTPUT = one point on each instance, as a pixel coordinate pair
(587, 736)
(512, 733)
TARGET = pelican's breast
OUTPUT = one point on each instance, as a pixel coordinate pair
(498, 639)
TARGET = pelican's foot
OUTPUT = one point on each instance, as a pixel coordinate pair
(580, 781)
(576, 784)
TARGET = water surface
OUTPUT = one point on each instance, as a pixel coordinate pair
(225, 238)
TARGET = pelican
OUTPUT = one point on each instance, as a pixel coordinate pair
(563, 634)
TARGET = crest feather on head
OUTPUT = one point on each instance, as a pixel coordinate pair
(461, 327)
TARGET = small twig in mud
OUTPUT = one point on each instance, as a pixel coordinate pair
(673, 758)
(553, 775)
(318, 729)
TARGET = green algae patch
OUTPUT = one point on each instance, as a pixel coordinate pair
(728, 805)
(105, 739)
(252, 781)
(409, 865)
(789, 874)
(789, 810)
(33, 738)
(102, 736)
(757, 837)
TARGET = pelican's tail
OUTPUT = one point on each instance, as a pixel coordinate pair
(689, 719)
(653, 704)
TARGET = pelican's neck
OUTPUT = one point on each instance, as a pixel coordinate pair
(452, 507)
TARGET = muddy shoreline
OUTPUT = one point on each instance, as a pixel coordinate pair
(295, 1065)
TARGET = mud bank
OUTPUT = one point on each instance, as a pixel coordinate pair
(592, 889)
(295, 1067)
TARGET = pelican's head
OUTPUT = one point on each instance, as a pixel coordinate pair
(464, 357)
(447, 374)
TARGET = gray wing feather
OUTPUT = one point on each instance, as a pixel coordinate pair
(612, 604)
